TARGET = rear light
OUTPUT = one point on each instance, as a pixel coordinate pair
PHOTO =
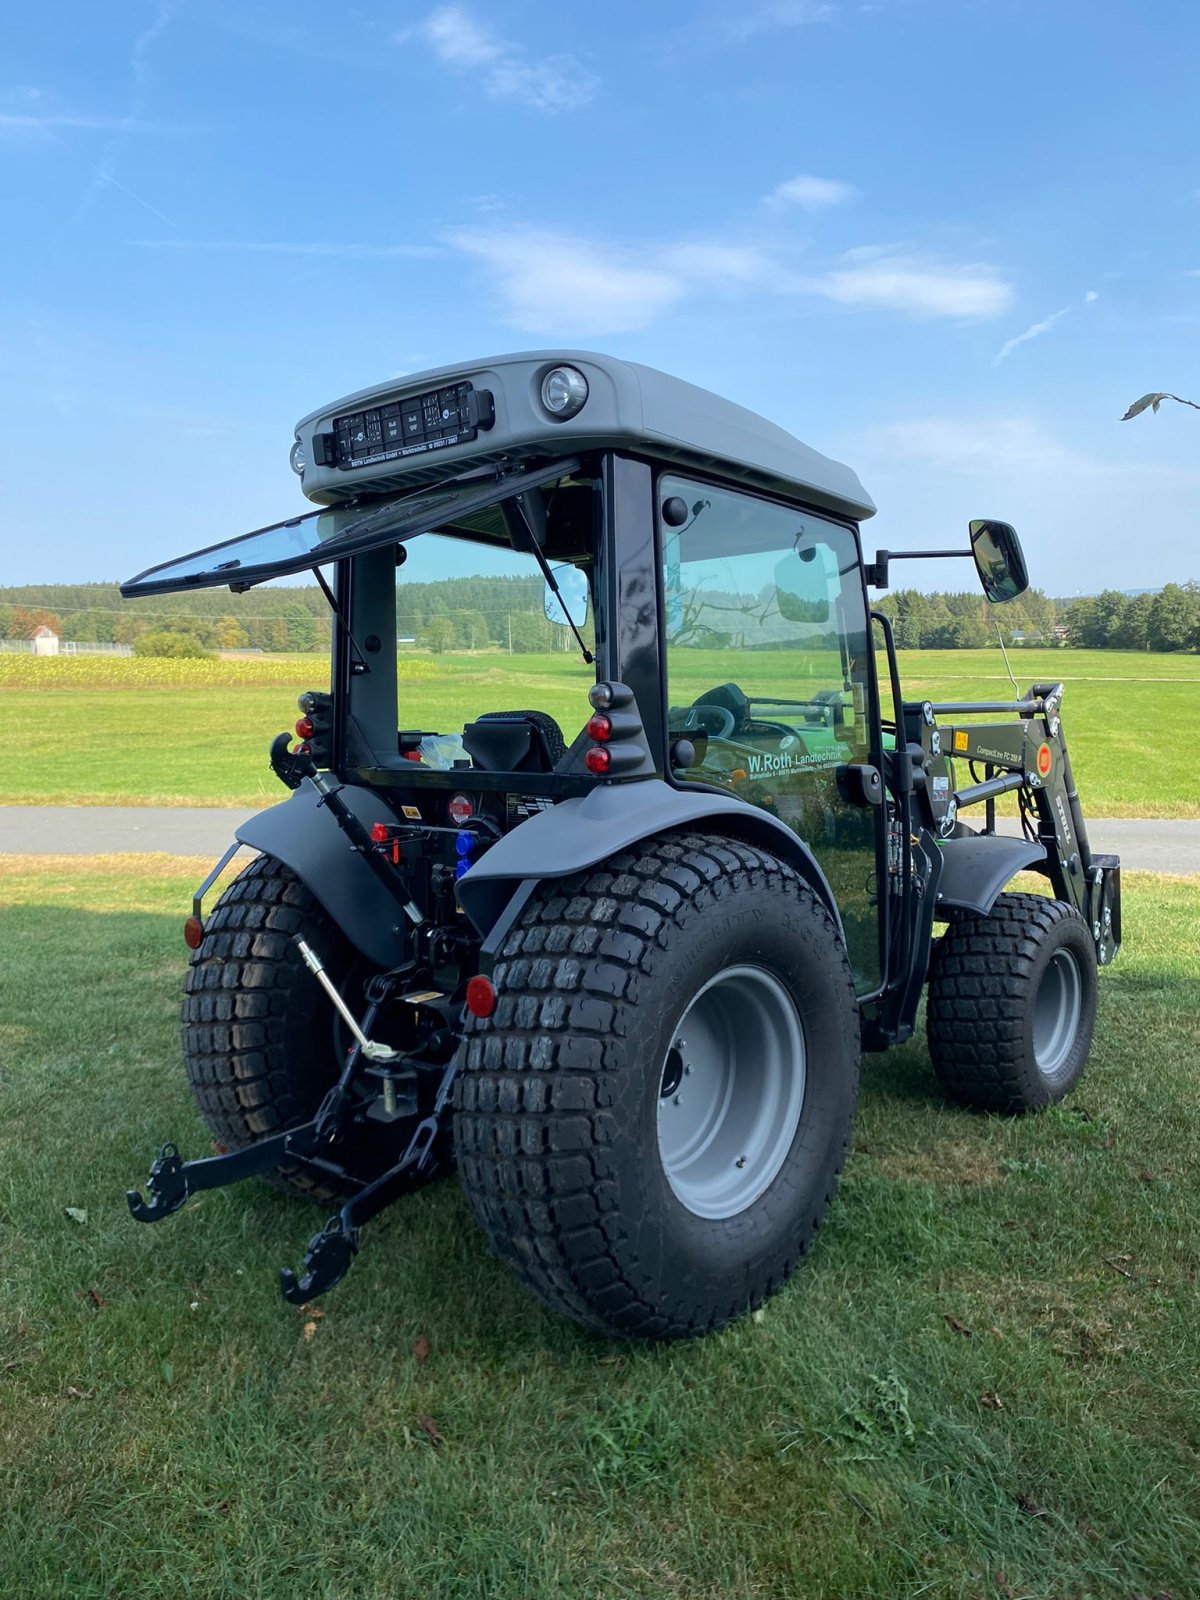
(193, 933)
(600, 727)
(602, 696)
(598, 760)
(304, 728)
(481, 997)
(460, 809)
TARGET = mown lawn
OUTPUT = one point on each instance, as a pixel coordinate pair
(982, 1383)
(1130, 719)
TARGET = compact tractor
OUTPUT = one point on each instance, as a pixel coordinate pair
(620, 973)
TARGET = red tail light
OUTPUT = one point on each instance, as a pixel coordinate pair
(481, 997)
(304, 728)
(598, 760)
(600, 728)
(193, 933)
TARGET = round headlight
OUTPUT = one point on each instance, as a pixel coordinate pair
(564, 390)
(298, 458)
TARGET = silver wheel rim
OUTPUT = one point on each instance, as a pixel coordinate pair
(731, 1090)
(1056, 1012)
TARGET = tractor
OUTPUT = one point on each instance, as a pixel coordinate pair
(616, 957)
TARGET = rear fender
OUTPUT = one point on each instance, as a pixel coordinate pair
(577, 834)
(302, 834)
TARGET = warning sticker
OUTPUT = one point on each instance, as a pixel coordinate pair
(961, 739)
(1044, 760)
(412, 813)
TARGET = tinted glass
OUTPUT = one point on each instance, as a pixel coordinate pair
(330, 535)
(768, 676)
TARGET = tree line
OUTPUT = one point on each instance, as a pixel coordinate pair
(477, 613)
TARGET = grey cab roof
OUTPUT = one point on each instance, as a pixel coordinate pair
(630, 406)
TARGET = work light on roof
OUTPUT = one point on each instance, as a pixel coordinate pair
(298, 459)
(564, 390)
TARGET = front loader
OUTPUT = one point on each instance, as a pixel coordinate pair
(616, 957)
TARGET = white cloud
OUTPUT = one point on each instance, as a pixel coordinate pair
(464, 44)
(811, 194)
(780, 14)
(719, 264)
(555, 283)
(558, 284)
(915, 285)
(1036, 329)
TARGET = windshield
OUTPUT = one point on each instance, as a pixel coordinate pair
(330, 535)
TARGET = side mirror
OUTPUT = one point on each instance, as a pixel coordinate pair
(999, 560)
(573, 586)
(802, 588)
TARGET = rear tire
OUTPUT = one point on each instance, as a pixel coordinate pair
(684, 950)
(261, 1041)
(1012, 1004)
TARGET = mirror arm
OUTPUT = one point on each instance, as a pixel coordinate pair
(877, 570)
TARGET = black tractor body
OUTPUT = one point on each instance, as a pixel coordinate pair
(618, 962)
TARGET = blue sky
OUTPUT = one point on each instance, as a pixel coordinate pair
(946, 241)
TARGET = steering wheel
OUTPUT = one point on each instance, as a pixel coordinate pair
(714, 720)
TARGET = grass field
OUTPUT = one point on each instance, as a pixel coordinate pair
(983, 1382)
(1130, 718)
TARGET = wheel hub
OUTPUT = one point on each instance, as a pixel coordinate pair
(1056, 1012)
(731, 1091)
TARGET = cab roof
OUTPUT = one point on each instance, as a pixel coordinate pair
(628, 406)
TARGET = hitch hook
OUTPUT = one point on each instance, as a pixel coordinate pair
(167, 1187)
(326, 1262)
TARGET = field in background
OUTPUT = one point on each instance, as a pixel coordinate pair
(133, 732)
(982, 1383)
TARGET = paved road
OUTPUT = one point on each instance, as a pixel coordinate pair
(205, 831)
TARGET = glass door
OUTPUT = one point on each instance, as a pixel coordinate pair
(768, 678)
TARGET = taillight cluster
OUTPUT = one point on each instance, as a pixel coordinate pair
(617, 745)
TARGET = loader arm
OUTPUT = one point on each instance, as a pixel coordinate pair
(1027, 756)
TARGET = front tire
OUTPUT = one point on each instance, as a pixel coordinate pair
(618, 1208)
(1012, 1004)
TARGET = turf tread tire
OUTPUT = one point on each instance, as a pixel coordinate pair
(982, 983)
(536, 1099)
(257, 1031)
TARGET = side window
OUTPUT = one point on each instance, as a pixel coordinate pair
(768, 676)
(766, 640)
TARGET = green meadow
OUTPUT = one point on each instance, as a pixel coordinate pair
(1131, 718)
(981, 1383)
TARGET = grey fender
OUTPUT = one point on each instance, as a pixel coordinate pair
(976, 867)
(577, 834)
(303, 835)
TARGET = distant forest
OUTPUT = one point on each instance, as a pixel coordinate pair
(506, 613)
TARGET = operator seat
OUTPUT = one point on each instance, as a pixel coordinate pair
(514, 741)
